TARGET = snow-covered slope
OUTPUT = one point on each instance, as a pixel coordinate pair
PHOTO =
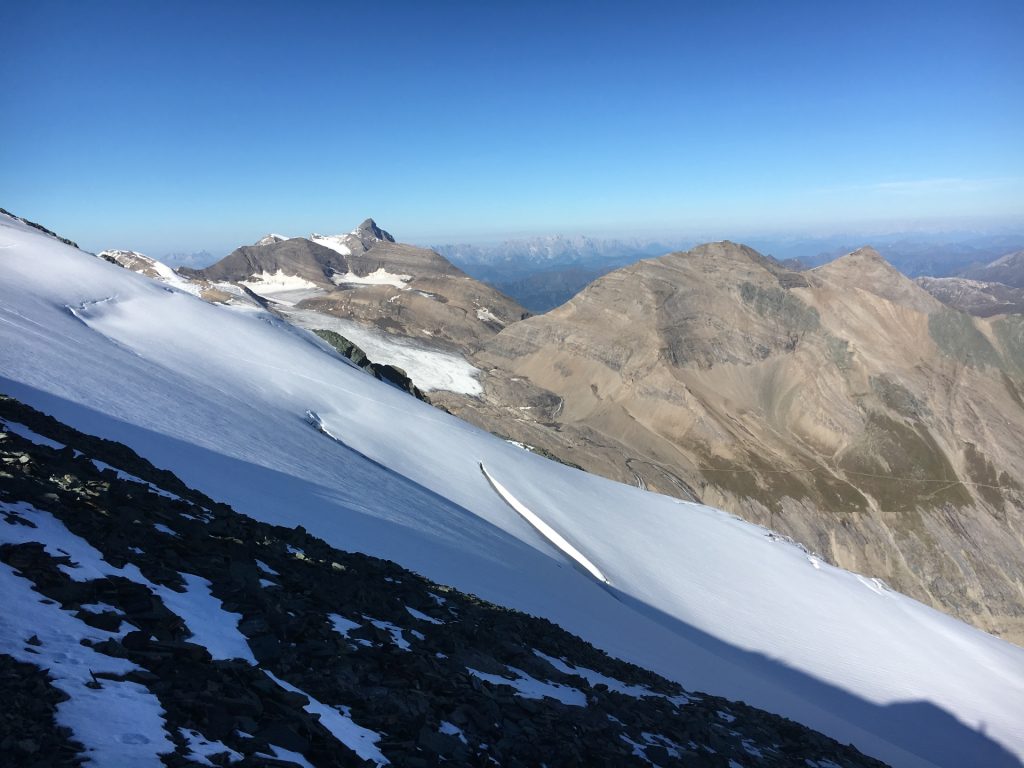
(263, 416)
(138, 262)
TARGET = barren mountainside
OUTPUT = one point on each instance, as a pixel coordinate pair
(844, 406)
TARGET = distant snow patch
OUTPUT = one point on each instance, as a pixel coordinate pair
(378, 277)
(271, 239)
(335, 242)
(483, 313)
(265, 283)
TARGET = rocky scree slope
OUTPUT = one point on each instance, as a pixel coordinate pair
(844, 407)
(256, 645)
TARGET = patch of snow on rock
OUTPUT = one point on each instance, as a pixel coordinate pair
(360, 740)
(335, 242)
(531, 688)
(264, 283)
(380, 276)
(212, 627)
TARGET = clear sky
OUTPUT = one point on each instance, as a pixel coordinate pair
(179, 126)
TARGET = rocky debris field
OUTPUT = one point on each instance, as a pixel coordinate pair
(263, 646)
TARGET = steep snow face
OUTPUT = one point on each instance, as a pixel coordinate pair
(338, 243)
(221, 397)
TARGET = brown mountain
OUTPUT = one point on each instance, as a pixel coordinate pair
(367, 277)
(844, 407)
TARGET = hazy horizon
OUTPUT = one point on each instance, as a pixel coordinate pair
(201, 127)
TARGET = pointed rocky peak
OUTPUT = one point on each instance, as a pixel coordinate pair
(866, 269)
(369, 230)
(865, 262)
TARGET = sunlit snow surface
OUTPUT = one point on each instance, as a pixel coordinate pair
(429, 369)
(334, 242)
(219, 398)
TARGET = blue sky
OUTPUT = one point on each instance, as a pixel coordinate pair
(181, 126)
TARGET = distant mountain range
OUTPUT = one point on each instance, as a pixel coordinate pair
(193, 259)
(913, 254)
(544, 272)
(530, 254)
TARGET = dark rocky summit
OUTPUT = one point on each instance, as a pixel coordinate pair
(41, 228)
(416, 662)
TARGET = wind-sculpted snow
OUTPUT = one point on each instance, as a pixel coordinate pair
(544, 529)
(696, 595)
